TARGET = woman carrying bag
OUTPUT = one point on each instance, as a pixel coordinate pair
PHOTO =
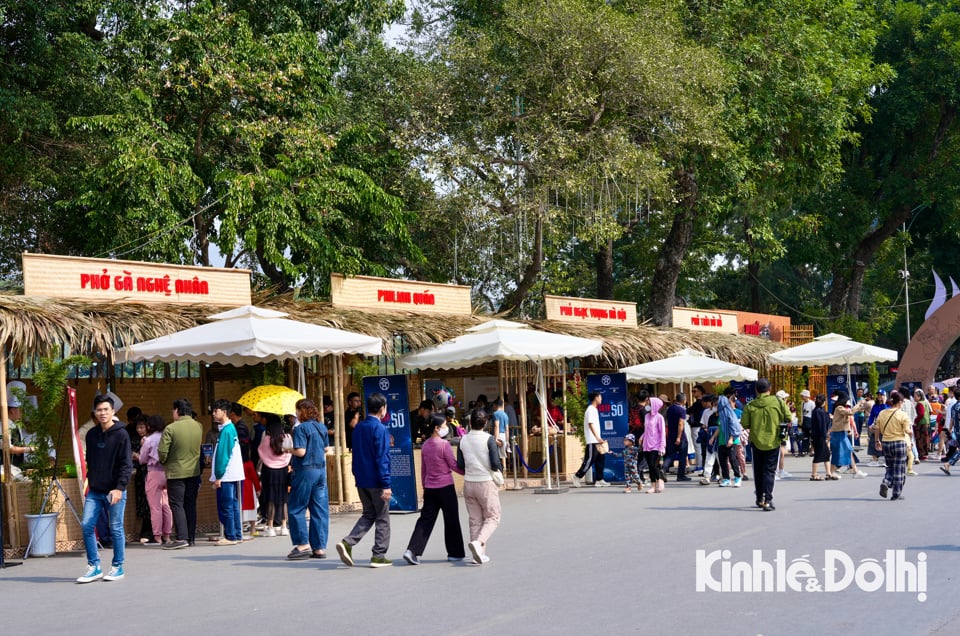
(479, 457)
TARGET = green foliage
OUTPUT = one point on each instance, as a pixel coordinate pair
(46, 422)
(873, 378)
(576, 406)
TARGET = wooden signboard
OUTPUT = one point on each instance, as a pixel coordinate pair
(589, 311)
(133, 281)
(368, 292)
(705, 320)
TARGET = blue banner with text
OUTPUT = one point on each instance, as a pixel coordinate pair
(403, 476)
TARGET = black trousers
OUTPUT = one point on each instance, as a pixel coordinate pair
(183, 504)
(592, 458)
(435, 500)
(653, 463)
(725, 455)
(765, 464)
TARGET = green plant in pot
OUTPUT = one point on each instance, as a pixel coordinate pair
(44, 422)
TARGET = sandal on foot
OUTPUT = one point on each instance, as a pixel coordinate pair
(297, 554)
(816, 478)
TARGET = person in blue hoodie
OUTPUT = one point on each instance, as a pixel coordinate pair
(371, 469)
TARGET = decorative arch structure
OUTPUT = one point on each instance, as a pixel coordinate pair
(928, 346)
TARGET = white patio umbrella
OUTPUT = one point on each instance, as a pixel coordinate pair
(688, 365)
(498, 340)
(832, 349)
(250, 335)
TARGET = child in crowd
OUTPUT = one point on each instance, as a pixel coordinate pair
(631, 463)
(708, 435)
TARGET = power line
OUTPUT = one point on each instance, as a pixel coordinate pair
(155, 236)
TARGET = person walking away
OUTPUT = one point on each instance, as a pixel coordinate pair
(161, 518)
(275, 456)
(880, 404)
(179, 452)
(109, 467)
(227, 474)
(371, 469)
(819, 430)
(728, 437)
(763, 418)
(591, 435)
(893, 427)
(437, 465)
(921, 424)
(479, 458)
(654, 441)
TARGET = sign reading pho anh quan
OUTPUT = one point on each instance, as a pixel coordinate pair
(369, 292)
(133, 281)
(705, 320)
(590, 311)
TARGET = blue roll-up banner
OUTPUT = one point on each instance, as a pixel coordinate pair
(746, 390)
(403, 476)
(836, 383)
(614, 418)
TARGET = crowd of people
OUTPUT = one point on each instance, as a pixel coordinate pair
(280, 462)
(166, 460)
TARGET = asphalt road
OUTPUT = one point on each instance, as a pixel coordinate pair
(586, 561)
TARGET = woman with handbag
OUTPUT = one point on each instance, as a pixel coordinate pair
(437, 466)
(479, 458)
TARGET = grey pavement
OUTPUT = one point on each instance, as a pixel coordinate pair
(586, 561)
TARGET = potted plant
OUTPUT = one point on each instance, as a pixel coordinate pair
(43, 421)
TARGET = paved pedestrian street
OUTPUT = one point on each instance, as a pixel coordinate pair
(591, 561)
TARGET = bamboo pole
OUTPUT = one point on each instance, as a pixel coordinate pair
(10, 495)
(336, 364)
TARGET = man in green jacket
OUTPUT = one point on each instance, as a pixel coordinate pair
(179, 453)
(763, 417)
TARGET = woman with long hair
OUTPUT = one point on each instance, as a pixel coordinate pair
(437, 466)
(161, 517)
(819, 429)
(274, 453)
(308, 485)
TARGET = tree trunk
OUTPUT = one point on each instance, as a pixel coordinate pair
(663, 290)
(276, 276)
(604, 262)
(513, 300)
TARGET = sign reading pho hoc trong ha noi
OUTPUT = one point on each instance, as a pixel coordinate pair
(133, 281)
(590, 311)
(370, 292)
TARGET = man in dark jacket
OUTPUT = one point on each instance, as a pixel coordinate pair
(109, 466)
(371, 469)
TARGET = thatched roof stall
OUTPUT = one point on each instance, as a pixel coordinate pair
(29, 325)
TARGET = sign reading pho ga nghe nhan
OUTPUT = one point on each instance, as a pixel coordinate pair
(369, 292)
(589, 311)
(133, 281)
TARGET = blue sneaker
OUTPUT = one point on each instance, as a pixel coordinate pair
(725, 483)
(115, 573)
(93, 573)
(736, 482)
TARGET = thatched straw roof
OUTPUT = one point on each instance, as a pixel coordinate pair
(38, 325)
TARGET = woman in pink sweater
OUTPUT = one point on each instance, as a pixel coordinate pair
(654, 441)
(437, 465)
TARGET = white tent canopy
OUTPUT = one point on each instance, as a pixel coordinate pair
(832, 349)
(688, 365)
(501, 340)
(250, 335)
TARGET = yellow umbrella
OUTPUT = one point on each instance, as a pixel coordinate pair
(271, 398)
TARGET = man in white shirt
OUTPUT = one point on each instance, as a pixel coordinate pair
(591, 435)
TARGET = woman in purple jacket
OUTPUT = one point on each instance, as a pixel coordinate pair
(437, 465)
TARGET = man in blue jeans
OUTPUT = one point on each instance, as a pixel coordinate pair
(227, 474)
(109, 466)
